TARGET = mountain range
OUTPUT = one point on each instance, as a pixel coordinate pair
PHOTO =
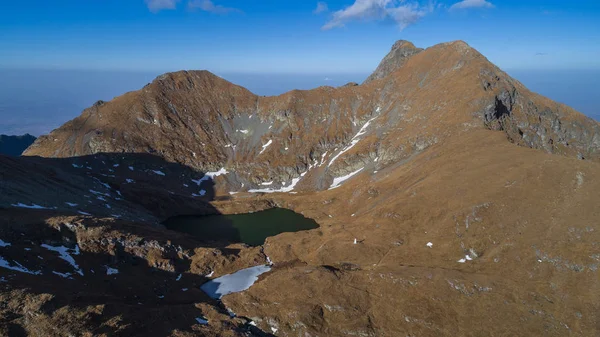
(451, 200)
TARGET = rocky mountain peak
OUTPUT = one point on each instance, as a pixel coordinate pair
(401, 51)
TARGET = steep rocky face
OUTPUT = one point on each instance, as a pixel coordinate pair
(15, 145)
(451, 201)
(401, 51)
(311, 137)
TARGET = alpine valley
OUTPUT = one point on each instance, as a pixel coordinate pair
(450, 201)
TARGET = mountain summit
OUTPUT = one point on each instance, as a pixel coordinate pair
(401, 51)
(450, 199)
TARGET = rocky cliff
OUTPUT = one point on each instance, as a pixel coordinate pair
(451, 200)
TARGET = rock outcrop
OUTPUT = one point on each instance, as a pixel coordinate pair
(401, 51)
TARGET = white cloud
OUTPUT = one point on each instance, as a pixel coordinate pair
(209, 6)
(472, 4)
(401, 12)
(321, 7)
(158, 5)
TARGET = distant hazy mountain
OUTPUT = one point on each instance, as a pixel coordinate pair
(15, 145)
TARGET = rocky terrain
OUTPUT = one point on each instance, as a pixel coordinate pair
(15, 145)
(451, 200)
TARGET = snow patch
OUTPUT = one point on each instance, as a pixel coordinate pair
(264, 147)
(429, 244)
(353, 141)
(160, 173)
(18, 267)
(201, 193)
(202, 321)
(337, 181)
(233, 283)
(210, 176)
(32, 206)
(4, 244)
(71, 204)
(65, 255)
(63, 275)
(111, 271)
(268, 183)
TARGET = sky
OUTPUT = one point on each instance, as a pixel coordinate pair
(291, 36)
(58, 57)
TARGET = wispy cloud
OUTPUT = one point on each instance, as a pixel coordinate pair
(401, 12)
(321, 7)
(472, 4)
(541, 54)
(209, 6)
(158, 5)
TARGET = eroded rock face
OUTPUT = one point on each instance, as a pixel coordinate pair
(451, 201)
(401, 51)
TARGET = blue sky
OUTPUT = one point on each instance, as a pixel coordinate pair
(288, 36)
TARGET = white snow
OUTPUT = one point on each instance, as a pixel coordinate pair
(202, 321)
(337, 181)
(233, 283)
(77, 166)
(283, 189)
(111, 271)
(32, 206)
(212, 272)
(201, 193)
(18, 267)
(129, 181)
(4, 244)
(71, 204)
(178, 277)
(268, 183)
(116, 165)
(99, 193)
(353, 141)
(232, 193)
(467, 257)
(160, 173)
(210, 176)
(63, 275)
(355, 241)
(83, 213)
(131, 168)
(323, 158)
(243, 131)
(184, 289)
(429, 244)
(64, 254)
(264, 147)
